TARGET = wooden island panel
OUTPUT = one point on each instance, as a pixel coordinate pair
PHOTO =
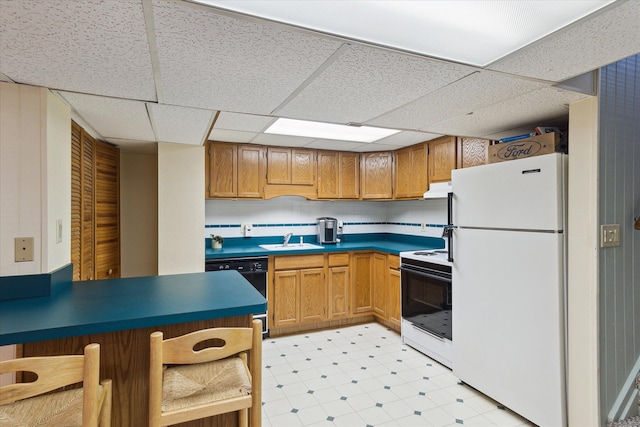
(124, 357)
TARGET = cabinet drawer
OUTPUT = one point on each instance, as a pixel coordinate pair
(295, 262)
(338, 259)
(393, 261)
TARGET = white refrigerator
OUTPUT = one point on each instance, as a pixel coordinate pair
(508, 283)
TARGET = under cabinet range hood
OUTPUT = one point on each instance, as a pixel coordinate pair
(438, 190)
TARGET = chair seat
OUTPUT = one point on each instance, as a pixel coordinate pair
(185, 386)
(59, 409)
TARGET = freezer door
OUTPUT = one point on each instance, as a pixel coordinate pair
(508, 320)
(517, 194)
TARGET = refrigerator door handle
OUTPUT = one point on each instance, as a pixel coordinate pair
(449, 228)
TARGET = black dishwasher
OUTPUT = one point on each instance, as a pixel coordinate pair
(254, 269)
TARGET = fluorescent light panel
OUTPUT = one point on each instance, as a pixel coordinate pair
(328, 130)
(474, 32)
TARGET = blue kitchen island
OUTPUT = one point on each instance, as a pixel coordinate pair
(120, 315)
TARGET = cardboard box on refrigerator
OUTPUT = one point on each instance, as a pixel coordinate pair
(528, 147)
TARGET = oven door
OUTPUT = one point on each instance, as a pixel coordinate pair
(426, 301)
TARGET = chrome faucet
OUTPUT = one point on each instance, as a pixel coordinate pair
(286, 239)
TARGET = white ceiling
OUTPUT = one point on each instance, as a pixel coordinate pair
(137, 72)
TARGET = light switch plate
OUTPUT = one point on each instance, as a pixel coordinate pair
(609, 235)
(23, 249)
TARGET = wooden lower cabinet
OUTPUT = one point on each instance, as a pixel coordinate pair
(394, 292)
(313, 295)
(338, 285)
(361, 294)
(285, 298)
(309, 292)
(379, 285)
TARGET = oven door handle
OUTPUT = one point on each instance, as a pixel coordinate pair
(424, 274)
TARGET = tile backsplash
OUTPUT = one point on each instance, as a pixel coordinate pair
(297, 215)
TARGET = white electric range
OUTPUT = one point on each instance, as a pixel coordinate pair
(426, 303)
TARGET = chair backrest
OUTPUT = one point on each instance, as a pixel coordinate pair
(205, 346)
(54, 372)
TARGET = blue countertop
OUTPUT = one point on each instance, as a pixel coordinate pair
(379, 242)
(93, 307)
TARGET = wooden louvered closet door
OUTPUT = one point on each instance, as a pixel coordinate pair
(76, 199)
(107, 211)
(95, 219)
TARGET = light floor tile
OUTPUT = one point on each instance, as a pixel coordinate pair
(364, 375)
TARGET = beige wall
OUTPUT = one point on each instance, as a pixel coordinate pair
(138, 214)
(35, 177)
(180, 208)
(583, 396)
(35, 181)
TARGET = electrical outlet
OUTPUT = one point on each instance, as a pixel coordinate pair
(609, 235)
(423, 226)
(58, 231)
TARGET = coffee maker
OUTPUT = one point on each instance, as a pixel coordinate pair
(328, 230)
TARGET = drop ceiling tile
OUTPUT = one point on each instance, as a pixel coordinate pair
(406, 138)
(594, 42)
(90, 46)
(332, 144)
(181, 125)
(365, 82)
(113, 117)
(365, 148)
(224, 135)
(243, 122)
(219, 62)
(282, 140)
(533, 107)
(480, 89)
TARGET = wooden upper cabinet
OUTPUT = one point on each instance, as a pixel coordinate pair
(472, 151)
(411, 180)
(235, 170)
(222, 170)
(290, 166)
(442, 158)
(251, 171)
(376, 175)
(338, 175)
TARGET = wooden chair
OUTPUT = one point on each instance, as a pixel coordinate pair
(190, 380)
(30, 403)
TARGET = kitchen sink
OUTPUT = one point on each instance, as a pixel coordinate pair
(290, 247)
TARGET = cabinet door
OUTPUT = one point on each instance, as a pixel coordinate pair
(379, 285)
(313, 295)
(361, 296)
(349, 175)
(393, 298)
(251, 172)
(107, 214)
(403, 173)
(338, 292)
(376, 175)
(285, 300)
(328, 175)
(420, 177)
(303, 167)
(472, 151)
(222, 170)
(442, 158)
(278, 165)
